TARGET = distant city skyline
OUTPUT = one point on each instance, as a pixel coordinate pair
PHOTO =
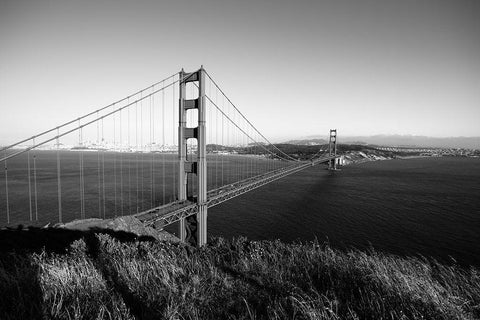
(294, 68)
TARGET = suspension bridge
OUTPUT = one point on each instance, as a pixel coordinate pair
(164, 154)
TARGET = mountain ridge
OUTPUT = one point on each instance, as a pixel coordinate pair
(398, 141)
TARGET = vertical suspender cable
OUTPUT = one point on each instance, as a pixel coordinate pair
(227, 140)
(152, 138)
(6, 188)
(103, 173)
(136, 152)
(252, 161)
(269, 159)
(59, 185)
(236, 144)
(223, 128)
(231, 143)
(142, 148)
(114, 164)
(98, 169)
(256, 159)
(80, 142)
(35, 183)
(252, 153)
(173, 138)
(121, 163)
(142, 156)
(260, 160)
(142, 143)
(83, 180)
(83, 175)
(264, 163)
(257, 163)
(249, 163)
(242, 159)
(216, 140)
(163, 144)
(129, 164)
(80, 170)
(241, 155)
(245, 157)
(29, 186)
(249, 151)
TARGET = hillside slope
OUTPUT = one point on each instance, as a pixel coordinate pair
(102, 277)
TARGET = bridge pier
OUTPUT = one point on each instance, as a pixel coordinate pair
(193, 230)
(332, 150)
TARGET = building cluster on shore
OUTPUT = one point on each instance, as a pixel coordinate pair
(434, 152)
(386, 153)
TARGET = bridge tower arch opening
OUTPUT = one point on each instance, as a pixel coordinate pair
(332, 149)
(193, 229)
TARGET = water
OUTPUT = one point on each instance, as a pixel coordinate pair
(114, 184)
(427, 206)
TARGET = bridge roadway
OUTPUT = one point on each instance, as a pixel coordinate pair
(169, 213)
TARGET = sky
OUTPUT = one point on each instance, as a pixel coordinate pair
(294, 68)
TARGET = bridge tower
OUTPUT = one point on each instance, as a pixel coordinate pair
(332, 149)
(193, 229)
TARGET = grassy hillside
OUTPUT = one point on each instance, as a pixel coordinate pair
(102, 277)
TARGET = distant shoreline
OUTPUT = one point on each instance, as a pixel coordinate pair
(356, 157)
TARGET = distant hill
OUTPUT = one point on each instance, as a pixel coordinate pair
(403, 141)
(307, 142)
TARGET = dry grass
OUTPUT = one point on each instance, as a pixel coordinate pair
(108, 279)
(73, 288)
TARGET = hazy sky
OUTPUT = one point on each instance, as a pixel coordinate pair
(294, 68)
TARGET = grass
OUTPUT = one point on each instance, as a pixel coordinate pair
(101, 277)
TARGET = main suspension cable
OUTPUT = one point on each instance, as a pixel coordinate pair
(84, 116)
(223, 93)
